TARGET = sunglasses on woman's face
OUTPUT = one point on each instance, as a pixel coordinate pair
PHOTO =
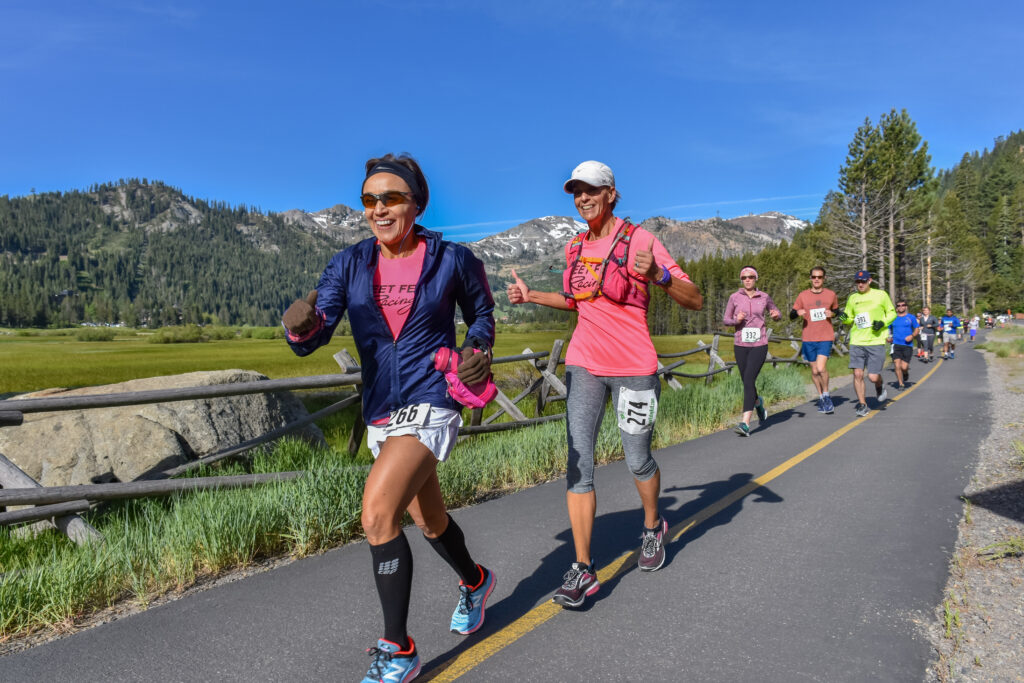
(390, 198)
(748, 277)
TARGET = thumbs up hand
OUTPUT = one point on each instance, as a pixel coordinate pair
(518, 292)
(643, 263)
(301, 316)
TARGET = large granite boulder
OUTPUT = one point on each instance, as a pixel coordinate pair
(126, 443)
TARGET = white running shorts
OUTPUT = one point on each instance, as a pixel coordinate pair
(438, 433)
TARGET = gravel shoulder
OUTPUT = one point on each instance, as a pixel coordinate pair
(978, 630)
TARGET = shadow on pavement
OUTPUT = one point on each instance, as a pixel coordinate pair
(1006, 500)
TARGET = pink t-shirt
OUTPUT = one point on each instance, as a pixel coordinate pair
(611, 339)
(394, 286)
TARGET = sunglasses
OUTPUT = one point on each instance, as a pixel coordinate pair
(748, 277)
(901, 305)
(859, 282)
(390, 198)
(817, 277)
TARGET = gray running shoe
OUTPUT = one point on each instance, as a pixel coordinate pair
(862, 410)
(883, 396)
(652, 552)
(579, 582)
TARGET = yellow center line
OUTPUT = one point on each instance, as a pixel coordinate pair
(468, 659)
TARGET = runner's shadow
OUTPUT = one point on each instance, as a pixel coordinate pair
(614, 534)
(1006, 500)
(710, 494)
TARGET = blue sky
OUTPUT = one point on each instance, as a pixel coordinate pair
(700, 108)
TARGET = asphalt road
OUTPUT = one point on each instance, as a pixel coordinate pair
(823, 569)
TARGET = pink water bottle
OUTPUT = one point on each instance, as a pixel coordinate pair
(476, 396)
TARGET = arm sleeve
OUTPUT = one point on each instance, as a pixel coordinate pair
(332, 302)
(475, 299)
(730, 313)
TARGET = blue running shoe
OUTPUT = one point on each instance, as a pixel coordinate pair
(392, 666)
(829, 406)
(469, 615)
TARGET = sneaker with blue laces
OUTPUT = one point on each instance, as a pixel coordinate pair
(469, 613)
(762, 411)
(391, 664)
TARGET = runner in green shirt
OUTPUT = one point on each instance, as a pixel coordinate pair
(869, 311)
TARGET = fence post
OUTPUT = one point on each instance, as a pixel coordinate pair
(713, 357)
(73, 526)
(550, 369)
(669, 379)
(349, 366)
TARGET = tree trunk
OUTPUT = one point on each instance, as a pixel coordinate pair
(892, 246)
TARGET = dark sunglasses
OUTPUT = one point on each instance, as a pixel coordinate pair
(817, 277)
(748, 277)
(390, 198)
(860, 281)
(901, 305)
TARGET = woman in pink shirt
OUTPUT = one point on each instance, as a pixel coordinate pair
(610, 269)
(747, 310)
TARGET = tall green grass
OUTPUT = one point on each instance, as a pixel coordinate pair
(158, 545)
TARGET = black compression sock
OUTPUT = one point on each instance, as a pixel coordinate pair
(451, 546)
(392, 571)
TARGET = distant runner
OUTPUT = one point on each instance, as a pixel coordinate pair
(747, 310)
(869, 311)
(975, 321)
(902, 332)
(950, 323)
(817, 307)
(929, 330)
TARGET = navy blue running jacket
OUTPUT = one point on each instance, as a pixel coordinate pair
(400, 372)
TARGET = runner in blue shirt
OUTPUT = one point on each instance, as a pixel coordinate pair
(902, 331)
(949, 325)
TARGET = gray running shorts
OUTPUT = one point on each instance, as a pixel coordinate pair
(870, 358)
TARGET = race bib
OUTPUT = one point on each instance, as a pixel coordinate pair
(750, 335)
(817, 315)
(409, 416)
(637, 410)
(948, 327)
(862, 320)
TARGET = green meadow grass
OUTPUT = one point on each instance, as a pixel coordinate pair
(1005, 342)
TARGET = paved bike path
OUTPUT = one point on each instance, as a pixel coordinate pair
(823, 573)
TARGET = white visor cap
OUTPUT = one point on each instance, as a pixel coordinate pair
(592, 173)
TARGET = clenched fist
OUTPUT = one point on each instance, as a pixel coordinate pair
(301, 316)
(474, 367)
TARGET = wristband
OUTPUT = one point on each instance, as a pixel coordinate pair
(666, 277)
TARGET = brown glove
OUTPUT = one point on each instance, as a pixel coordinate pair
(475, 367)
(301, 316)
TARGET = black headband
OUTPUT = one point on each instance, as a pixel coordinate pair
(402, 172)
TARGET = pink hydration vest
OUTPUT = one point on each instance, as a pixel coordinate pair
(614, 278)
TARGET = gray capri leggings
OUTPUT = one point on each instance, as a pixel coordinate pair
(584, 406)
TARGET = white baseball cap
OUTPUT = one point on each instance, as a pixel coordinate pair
(592, 173)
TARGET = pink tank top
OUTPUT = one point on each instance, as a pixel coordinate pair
(394, 286)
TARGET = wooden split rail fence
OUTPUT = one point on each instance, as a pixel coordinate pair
(59, 506)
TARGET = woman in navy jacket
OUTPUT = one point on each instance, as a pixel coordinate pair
(400, 289)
